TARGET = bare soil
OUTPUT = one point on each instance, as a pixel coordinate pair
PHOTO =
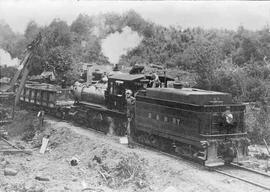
(104, 164)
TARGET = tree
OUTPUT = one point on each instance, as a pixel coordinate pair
(134, 21)
(114, 22)
(7, 71)
(82, 25)
(8, 39)
(203, 58)
(249, 49)
(57, 34)
(60, 58)
(54, 49)
(31, 31)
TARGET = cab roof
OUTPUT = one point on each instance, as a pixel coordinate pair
(189, 95)
(127, 77)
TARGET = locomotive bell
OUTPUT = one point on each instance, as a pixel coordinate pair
(178, 85)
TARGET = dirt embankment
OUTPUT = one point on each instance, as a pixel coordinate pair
(102, 164)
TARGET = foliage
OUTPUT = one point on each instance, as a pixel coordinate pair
(257, 122)
(7, 71)
(204, 59)
(57, 34)
(222, 60)
(82, 25)
(6, 37)
(230, 81)
(31, 31)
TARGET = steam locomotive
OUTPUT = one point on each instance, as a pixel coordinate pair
(205, 126)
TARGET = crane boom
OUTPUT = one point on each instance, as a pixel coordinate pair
(17, 74)
(25, 72)
(26, 63)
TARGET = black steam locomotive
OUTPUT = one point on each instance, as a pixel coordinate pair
(202, 125)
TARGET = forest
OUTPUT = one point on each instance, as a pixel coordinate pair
(216, 59)
(234, 61)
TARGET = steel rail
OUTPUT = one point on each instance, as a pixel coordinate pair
(249, 169)
(176, 157)
(242, 179)
(197, 165)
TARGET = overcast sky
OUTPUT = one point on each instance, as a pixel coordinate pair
(208, 14)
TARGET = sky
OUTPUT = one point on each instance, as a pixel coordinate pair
(252, 15)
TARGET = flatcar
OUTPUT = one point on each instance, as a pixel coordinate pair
(202, 125)
(51, 98)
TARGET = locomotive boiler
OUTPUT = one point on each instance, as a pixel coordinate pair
(94, 93)
(202, 125)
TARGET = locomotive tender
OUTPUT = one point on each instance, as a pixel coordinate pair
(202, 125)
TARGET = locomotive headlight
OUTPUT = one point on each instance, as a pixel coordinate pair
(228, 117)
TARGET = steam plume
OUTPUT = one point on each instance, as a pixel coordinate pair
(118, 44)
(5, 59)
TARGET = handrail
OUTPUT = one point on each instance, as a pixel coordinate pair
(222, 135)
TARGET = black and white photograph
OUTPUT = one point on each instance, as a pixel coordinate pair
(134, 96)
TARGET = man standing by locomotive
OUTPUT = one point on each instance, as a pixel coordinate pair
(130, 114)
(155, 80)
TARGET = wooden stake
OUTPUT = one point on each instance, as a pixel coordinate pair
(27, 152)
(266, 146)
(268, 154)
(102, 175)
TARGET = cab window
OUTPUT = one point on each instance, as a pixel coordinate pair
(118, 88)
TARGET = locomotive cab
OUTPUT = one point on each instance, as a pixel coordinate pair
(115, 97)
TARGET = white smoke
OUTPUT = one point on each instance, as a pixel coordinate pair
(5, 59)
(118, 44)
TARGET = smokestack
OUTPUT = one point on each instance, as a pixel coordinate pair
(89, 76)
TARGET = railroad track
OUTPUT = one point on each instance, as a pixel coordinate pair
(245, 174)
(251, 176)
